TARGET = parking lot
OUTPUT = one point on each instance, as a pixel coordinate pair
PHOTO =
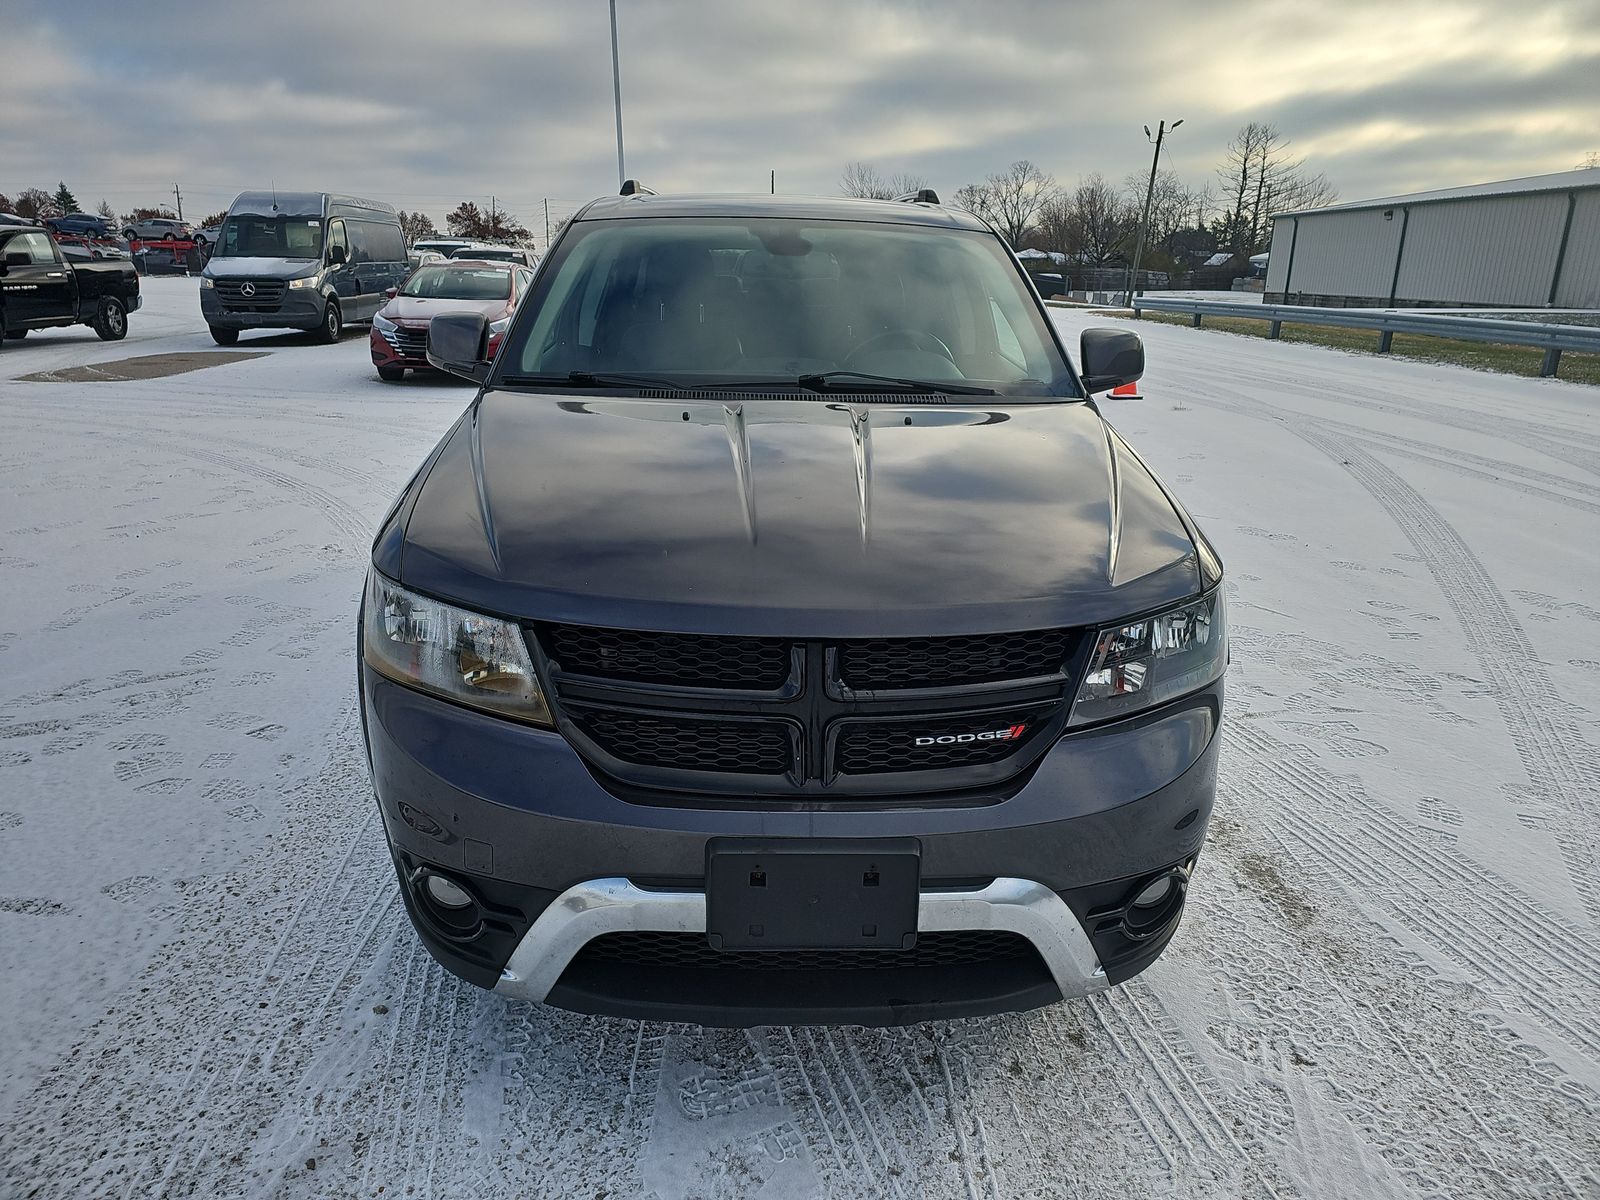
(1387, 983)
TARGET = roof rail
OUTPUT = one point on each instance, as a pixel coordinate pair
(920, 196)
(632, 187)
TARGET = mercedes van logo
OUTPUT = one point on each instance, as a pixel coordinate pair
(247, 289)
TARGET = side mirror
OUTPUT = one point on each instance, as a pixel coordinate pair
(391, 293)
(336, 255)
(459, 343)
(18, 258)
(1109, 358)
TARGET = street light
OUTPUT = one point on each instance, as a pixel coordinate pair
(1150, 191)
(616, 92)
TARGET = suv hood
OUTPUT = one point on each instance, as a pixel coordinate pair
(801, 517)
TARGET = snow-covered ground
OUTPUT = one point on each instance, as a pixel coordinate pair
(1386, 984)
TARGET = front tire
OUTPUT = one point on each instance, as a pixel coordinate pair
(332, 323)
(111, 320)
(223, 337)
(16, 335)
(391, 374)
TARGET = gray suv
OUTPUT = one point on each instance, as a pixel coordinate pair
(157, 229)
(781, 634)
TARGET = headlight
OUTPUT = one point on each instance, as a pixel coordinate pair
(1144, 663)
(383, 325)
(501, 325)
(451, 652)
(207, 282)
(308, 281)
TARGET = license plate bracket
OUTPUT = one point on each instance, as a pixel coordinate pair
(798, 894)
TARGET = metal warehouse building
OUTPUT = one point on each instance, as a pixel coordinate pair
(1523, 243)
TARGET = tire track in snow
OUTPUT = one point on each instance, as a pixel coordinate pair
(1558, 758)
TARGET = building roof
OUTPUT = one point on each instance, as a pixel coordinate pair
(1561, 181)
(759, 204)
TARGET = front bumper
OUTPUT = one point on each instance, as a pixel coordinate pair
(560, 861)
(301, 308)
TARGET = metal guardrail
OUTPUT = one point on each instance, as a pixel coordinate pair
(1552, 339)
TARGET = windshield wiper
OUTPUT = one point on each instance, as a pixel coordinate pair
(588, 379)
(823, 381)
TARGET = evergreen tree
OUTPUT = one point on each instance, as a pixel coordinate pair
(64, 199)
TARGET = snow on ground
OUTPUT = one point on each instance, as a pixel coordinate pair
(1386, 984)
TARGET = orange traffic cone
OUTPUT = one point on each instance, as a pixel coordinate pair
(1128, 391)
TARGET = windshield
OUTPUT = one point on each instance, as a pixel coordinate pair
(247, 235)
(708, 300)
(458, 283)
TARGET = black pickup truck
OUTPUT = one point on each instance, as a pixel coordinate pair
(39, 289)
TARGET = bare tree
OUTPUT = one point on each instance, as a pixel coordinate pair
(34, 203)
(107, 212)
(1101, 221)
(1174, 205)
(862, 180)
(1012, 199)
(497, 225)
(1260, 177)
(1590, 161)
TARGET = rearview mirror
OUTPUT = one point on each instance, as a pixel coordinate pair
(336, 255)
(1109, 358)
(459, 343)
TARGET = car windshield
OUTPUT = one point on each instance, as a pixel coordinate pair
(459, 283)
(249, 235)
(713, 300)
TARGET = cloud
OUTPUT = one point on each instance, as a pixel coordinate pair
(427, 105)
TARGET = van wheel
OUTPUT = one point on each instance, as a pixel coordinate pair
(391, 374)
(111, 320)
(223, 337)
(332, 323)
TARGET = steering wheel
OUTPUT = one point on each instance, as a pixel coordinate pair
(916, 339)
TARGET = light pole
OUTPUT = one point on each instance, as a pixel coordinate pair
(1149, 191)
(616, 93)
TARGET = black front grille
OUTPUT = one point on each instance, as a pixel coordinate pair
(877, 663)
(674, 659)
(770, 718)
(751, 747)
(251, 295)
(881, 747)
(936, 948)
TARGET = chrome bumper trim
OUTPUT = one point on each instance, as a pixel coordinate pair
(587, 910)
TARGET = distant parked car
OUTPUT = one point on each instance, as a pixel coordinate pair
(155, 229)
(420, 258)
(208, 236)
(511, 254)
(79, 224)
(93, 252)
(400, 330)
(443, 245)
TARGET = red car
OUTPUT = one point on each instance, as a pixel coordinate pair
(400, 330)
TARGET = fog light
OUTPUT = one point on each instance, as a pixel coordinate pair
(447, 893)
(1154, 894)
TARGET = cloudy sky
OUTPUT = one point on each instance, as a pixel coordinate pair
(424, 104)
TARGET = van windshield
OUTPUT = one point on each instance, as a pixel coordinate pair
(766, 301)
(250, 235)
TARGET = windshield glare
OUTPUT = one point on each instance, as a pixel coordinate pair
(247, 235)
(714, 300)
(458, 283)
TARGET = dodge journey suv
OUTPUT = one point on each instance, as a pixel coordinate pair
(781, 635)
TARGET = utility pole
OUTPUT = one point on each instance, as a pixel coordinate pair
(616, 93)
(774, 181)
(547, 224)
(493, 225)
(1150, 191)
(179, 196)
